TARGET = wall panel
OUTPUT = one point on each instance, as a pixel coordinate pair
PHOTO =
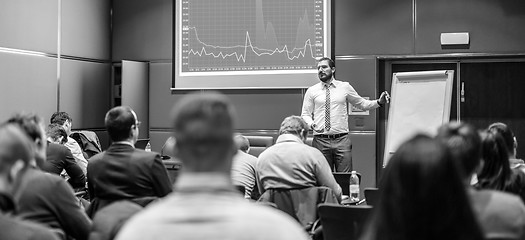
(142, 30)
(29, 84)
(85, 92)
(361, 74)
(372, 27)
(86, 28)
(29, 25)
(494, 26)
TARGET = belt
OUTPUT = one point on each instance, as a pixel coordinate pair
(331, 135)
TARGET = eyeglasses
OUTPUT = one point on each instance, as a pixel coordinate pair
(137, 124)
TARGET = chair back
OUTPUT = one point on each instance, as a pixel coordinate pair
(301, 204)
(372, 196)
(343, 222)
(343, 179)
(258, 144)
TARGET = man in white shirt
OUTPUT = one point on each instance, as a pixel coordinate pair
(204, 203)
(325, 110)
(63, 119)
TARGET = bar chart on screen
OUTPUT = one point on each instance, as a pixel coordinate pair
(238, 37)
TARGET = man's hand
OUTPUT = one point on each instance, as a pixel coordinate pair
(385, 98)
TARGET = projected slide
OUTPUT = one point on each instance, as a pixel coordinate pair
(250, 37)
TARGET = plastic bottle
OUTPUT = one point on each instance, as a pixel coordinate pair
(148, 147)
(354, 187)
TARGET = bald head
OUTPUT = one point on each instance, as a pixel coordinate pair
(242, 143)
(203, 129)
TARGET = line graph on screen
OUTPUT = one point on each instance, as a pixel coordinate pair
(240, 37)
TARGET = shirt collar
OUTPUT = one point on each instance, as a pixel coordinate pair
(125, 143)
(287, 137)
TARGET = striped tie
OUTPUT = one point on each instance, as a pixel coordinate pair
(327, 109)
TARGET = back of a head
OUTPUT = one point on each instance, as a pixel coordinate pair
(294, 125)
(422, 195)
(55, 131)
(32, 125)
(60, 118)
(203, 128)
(464, 143)
(242, 143)
(506, 133)
(119, 121)
(496, 172)
(14, 145)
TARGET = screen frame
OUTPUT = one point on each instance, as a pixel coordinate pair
(255, 80)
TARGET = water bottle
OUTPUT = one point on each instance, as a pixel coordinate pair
(148, 147)
(354, 187)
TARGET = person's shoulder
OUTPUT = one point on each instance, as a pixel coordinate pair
(24, 230)
(272, 222)
(497, 198)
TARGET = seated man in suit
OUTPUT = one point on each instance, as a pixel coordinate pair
(15, 154)
(243, 166)
(59, 157)
(122, 171)
(291, 164)
(43, 197)
(204, 204)
(63, 119)
(501, 215)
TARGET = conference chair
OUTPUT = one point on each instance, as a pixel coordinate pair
(258, 144)
(343, 222)
(372, 196)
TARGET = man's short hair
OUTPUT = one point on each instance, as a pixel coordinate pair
(55, 131)
(331, 62)
(242, 142)
(293, 125)
(203, 125)
(506, 133)
(119, 121)
(60, 118)
(464, 143)
(30, 123)
(14, 145)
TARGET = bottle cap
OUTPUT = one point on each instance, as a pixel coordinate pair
(353, 172)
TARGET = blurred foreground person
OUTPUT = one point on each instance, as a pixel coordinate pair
(43, 197)
(501, 215)
(422, 196)
(15, 154)
(204, 203)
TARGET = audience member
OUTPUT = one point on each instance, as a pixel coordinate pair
(291, 164)
(205, 204)
(510, 142)
(501, 215)
(15, 154)
(63, 119)
(59, 158)
(43, 197)
(243, 166)
(122, 171)
(496, 173)
(422, 196)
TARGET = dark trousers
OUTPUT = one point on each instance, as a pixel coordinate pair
(337, 151)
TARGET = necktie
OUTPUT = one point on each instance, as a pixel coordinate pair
(327, 109)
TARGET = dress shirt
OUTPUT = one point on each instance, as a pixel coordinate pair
(291, 164)
(206, 206)
(501, 215)
(243, 171)
(341, 95)
(76, 150)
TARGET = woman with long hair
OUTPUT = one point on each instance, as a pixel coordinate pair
(496, 173)
(422, 196)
